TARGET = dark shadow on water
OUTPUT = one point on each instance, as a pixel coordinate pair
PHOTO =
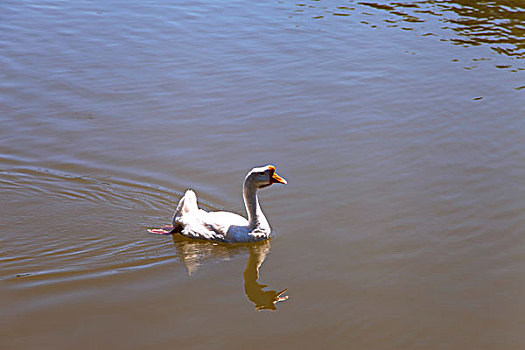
(193, 253)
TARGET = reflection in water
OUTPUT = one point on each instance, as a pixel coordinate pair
(263, 300)
(192, 253)
(498, 24)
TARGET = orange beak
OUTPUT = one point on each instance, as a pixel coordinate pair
(276, 178)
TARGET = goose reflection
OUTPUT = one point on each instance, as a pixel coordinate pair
(193, 253)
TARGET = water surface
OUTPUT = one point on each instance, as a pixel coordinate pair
(399, 126)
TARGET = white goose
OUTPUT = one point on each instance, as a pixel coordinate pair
(223, 226)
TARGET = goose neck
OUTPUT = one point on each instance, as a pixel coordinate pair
(256, 218)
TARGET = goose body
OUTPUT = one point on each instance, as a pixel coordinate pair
(193, 222)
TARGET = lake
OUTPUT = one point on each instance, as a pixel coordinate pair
(399, 127)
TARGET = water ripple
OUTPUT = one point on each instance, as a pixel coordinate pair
(82, 247)
(496, 24)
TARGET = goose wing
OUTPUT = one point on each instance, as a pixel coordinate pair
(213, 225)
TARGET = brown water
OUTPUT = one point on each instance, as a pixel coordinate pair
(399, 126)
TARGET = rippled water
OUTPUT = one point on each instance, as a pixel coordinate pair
(399, 126)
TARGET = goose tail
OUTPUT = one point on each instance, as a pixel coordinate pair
(187, 204)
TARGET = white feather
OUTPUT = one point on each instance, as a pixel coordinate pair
(224, 226)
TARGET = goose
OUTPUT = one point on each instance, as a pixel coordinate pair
(223, 226)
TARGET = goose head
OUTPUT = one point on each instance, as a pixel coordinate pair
(263, 177)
